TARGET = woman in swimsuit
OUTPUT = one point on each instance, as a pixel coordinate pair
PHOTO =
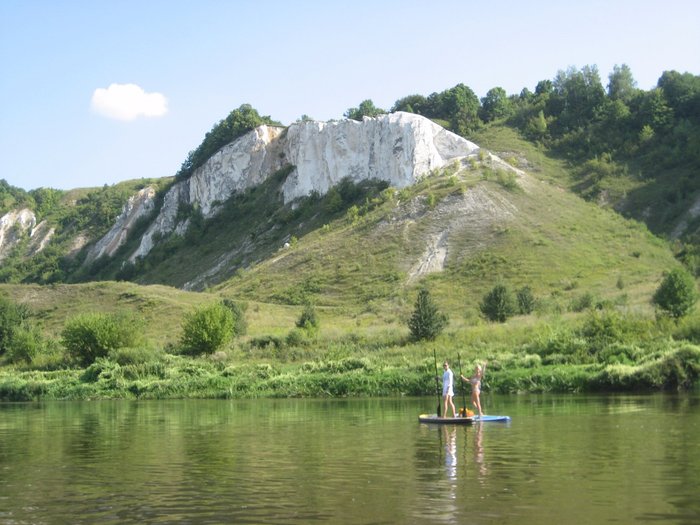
(475, 381)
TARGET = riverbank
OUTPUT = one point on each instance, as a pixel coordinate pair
(157, 375)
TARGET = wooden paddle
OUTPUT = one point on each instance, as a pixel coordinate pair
(437, 383)
(461, 384)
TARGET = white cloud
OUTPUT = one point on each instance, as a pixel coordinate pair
(128, 102)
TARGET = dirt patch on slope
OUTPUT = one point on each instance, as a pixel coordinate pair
(458, 226)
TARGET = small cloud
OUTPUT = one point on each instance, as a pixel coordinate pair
(128, 102)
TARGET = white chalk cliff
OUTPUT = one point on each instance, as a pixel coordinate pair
(137, 206)
(16, 225)
(399, 148)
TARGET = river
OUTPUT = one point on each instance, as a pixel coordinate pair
(562, 459)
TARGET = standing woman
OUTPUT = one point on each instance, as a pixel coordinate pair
(475, 381)
(447, 389)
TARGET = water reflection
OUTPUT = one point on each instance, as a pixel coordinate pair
(472, 453)
(479, 451)
(566, 459)
(450, 433)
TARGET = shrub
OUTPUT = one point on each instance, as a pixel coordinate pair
(240, 325)
(266, 341)
(308, 320)
(25, 345)
(91, 335)
(427, 322)
(296, 337)
(207, 329)
(581, 302)
(526, 300)
(498, 304)
(12, 318)
(602, 328)
(677, 294)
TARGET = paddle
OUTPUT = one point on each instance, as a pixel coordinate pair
(461, 384)
(437, 383)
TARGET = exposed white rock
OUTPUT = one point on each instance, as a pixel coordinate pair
(40, 236)
(165, 222)
(13, 225)
(399, 148)
(77, 244)
(241, 164)
(244, 163)
(136, 207)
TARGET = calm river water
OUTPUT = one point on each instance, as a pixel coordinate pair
(562, 459)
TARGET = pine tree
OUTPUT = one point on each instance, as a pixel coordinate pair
(427, 321)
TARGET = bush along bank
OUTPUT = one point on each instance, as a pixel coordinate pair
(674, 367)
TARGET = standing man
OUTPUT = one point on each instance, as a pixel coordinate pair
(447, 389)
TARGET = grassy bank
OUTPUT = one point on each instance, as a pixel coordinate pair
(530, 355)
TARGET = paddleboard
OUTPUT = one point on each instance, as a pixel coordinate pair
(434, 419)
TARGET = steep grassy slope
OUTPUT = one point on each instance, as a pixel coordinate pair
(480, 231)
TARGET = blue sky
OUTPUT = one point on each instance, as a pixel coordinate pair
(96, 92)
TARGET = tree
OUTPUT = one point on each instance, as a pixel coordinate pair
(91, 335)
(498, 304)
(526, 300)
(239, 122)
(427, 322)
(544, 88)
(366, 109)
(412, 104)
(575, 98)
(495, 104)
(682, 92)
(652, 109)
(460, 106)
(207, 329)
(677, 294)
(621, 83)
(536, 127)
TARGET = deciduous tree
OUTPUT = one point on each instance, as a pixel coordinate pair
(677, 294)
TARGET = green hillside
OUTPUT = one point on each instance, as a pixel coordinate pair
(556, 243)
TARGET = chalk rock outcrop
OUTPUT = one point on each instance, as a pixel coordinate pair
(13, 226)
(399, 148)
(137, 206)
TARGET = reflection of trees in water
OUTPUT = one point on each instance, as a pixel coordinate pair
(682, 457)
